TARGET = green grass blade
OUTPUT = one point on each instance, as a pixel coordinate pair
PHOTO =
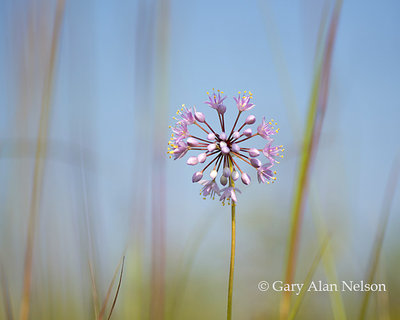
(380, 234)
(318, 102)
(308, 279)
(328, 262)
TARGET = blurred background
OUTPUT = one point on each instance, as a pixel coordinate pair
(88, 90)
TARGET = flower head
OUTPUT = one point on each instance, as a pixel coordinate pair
(224, 152)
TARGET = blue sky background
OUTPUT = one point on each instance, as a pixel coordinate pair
(233, 46)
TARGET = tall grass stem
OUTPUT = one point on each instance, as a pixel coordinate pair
(394, 176)
(38, 173)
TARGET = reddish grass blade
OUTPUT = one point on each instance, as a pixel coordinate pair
(39, 162)
(158, 259)
(105, 302)
(95, 297)
(6, 294)
(119, 286)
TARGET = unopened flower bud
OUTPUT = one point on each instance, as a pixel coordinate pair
(245, 178)
(199, 116)
(225, 150)
(222, 144)
(222, 136)
(223, 180)
(235, 175)
(253, 152)
(248, 132)
(235, 147)
(226, 172)
(250, 119)
(255, 162)
(236, 135)
(221, 109)
(192, 161)
(192, 142)
(197, 176)
(211, 136)
(202, 157)
(211, 147)
(213, 174)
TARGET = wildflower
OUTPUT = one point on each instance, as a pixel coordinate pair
(264, 173)
(243, 102)
(210, 188)
(186, 115)
(229, 193)
(180, 150)
(223, 152)
(266, 129)
(180, 132)
(216, 102)
(272, 152)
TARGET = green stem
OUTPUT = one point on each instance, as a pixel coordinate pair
(232, 266)
(233, 238)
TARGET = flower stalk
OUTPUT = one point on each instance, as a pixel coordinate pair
(233, 242)
(227, 151)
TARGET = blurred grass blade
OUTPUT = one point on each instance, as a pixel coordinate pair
(380, 234)
(294, 118)
(90, 241)
(117, 292)
(158, 175)
(316, 112)
(6, 294)
(95, 296)
(328, 260)
(308, 279)
(105, 302)
(39, 162)
(336, 298)
(189, 256)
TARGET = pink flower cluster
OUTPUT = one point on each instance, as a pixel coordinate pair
(224, 149)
